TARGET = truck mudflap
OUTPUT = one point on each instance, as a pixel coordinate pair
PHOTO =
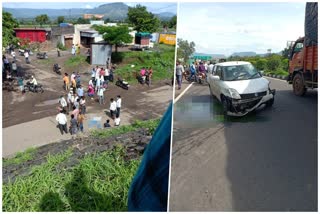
(263, 100)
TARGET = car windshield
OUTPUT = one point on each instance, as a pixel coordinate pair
(239, 72)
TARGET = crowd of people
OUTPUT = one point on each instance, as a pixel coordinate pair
(196, 69)
(75, 102)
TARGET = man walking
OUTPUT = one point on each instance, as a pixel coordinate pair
(179, 71)
(101, 95)
(63, 104)
(74, 125)
(80, 121)
(80, 91)
(70, 100)
(62, 122)
(113, 108)
(118, 105)
(26, 56)
(66, 82)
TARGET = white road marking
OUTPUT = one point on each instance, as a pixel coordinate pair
(185, 90)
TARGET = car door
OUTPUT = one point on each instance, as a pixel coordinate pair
(216, 83)
(210, 79)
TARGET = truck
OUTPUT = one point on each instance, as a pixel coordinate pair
(303, 57)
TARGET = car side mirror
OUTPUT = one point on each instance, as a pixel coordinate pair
(215, 77)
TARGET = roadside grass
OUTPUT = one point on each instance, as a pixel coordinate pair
(160, 59)
(20, 157)
(76, 61)
(280, 72)
(100, 182)
(150, 124)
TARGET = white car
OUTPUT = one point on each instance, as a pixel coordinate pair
(239, 87)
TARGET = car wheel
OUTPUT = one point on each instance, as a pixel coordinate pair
(225, 106)
(270, 102)
(298, 85)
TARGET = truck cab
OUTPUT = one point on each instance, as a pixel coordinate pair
(303, 66)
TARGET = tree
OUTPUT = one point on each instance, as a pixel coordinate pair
(274, 62)
(8, 24)
(142, 20)
(42, 19)
(60, 19)
(261, 64)
(82, 21)
(185, 49)
(173, 22)
(115, 35)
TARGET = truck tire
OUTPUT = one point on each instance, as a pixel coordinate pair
(298, 85)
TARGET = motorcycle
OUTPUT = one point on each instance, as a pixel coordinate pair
(141, 79)
(42, 55)
(56, 69)
(33, 88)
(123, 84)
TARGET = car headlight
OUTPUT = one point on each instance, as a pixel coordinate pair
(234, 93)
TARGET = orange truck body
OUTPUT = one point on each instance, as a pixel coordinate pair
(303, 59)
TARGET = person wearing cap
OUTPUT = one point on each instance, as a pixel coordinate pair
(63, 103)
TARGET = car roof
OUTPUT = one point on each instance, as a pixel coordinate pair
(231, 63)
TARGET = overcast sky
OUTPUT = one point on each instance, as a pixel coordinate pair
(157, 7)
(225, 28)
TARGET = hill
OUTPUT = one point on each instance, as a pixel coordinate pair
(112, 11)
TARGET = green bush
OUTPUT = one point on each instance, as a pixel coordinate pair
(75, 61)
(61, 46)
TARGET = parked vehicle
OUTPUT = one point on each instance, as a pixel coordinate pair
(42, 55)
(303, 57)
(57, 69)
(239, 87)
(123, 84)
(33, 88)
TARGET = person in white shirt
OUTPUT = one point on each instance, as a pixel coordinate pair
(26, 56)
(34, 81)
(62, 122)
(210, 67)
(113, 108)
(91, 83)
(70, 100)
(106, 75)
(118, 105)
(101, 95)
(13, 54)
(63, 103)
(73, 75)
(117, 121)
(83, 105)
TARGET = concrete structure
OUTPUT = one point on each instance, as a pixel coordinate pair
(100, 52)
(63, 35)
(91, 16)
(84, 35)
(96, 22)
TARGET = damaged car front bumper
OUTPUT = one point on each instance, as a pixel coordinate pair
(241, 107)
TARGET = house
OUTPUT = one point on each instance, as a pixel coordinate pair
(32, 34)
(84, 35)
(91, 16)
(62, 34)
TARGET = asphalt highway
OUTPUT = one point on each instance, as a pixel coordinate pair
(265, 161)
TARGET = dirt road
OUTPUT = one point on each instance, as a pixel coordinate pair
(32, 116)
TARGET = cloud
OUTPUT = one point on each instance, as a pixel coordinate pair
(229, 29)
(87, 6)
